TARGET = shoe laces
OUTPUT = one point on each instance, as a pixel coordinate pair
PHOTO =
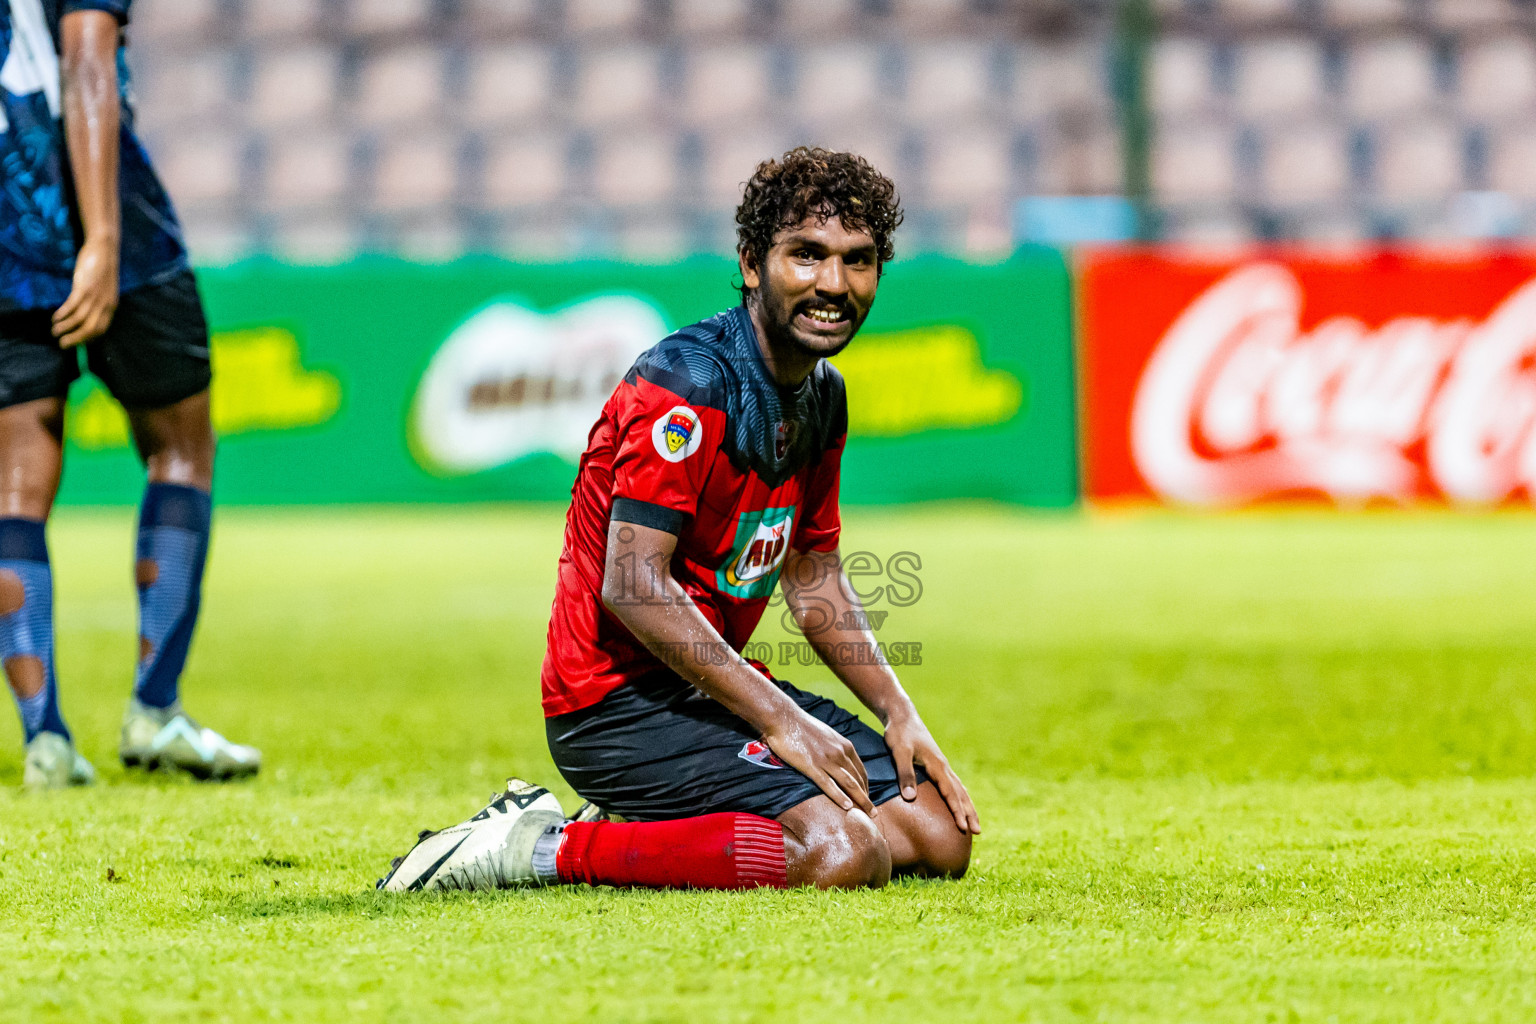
(498, 805)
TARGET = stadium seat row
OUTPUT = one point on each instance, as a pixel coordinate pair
(1284, 74)
(334, 125)
(288, 19)
(598, 86)
(1451, 15)
(1275, 78)
(1413, 162)
(964, 164)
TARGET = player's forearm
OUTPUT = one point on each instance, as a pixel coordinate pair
(831, 616)
(671, 626)
(92, 119)
(855, 658)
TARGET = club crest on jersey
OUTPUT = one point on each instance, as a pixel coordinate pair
(677, 434)
(762, 541)
(758, 753)
(783, 431)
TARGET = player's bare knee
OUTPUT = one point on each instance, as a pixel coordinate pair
(930, 844)
(844, 851)
(947, 851)
(188, 462)
(31, 436)
(176, 443)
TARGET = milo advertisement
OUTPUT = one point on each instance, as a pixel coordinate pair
(382, 381)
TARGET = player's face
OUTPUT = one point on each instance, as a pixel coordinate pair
(816, 285)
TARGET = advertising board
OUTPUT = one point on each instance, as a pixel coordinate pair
(1389, 376)
(384, 381)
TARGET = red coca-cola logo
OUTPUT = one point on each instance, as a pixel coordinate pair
(1244, 396)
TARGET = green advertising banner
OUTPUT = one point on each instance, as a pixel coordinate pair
(382, 381)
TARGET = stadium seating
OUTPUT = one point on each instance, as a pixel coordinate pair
(568, 126)
(1498, 77)
(204, 168)
(387, 17)
(283, 19)
(525, 169)
(306, 173)
(950, 80)
(506, 84)
(492, 19)
(400, 85)
(417, 173)
(616, 85)
(1389, 75)
(1304, 165)
(1278, 78)
(725, 83)
(294, 87)
(196, 88)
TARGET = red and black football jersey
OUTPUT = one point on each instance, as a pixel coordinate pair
(700, 441)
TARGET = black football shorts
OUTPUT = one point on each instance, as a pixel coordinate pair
(657, 749)
(154, 354)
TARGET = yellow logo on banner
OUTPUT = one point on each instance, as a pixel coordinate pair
(259, 383)
(928, 378)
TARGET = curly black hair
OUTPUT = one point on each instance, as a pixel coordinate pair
(812, 182)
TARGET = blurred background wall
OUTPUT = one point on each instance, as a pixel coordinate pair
(552, 129)
(433, 232)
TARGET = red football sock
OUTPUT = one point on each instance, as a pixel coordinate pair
(717, 851)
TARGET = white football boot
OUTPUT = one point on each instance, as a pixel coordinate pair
(167, 738)
(492, 850)
(589, 811)
(53, 763)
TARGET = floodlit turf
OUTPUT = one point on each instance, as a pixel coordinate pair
(1258, 768)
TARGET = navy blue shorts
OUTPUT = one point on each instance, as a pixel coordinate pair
(154, 354)
(657, 749)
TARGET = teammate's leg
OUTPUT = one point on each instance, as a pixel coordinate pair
(31, 460)
(155, 360)
(176, 444)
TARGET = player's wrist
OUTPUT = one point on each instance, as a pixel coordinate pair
(783, 721)
(899, 714)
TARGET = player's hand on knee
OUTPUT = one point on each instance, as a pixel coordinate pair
(954, 792)
(912, 744)
(92, 302)
(824, 756)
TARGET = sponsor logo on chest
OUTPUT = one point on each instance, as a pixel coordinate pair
(762, 541)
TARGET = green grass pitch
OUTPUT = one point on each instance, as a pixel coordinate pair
(1254, 768)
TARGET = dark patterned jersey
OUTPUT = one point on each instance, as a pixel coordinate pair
(700, 441)
(39, 228)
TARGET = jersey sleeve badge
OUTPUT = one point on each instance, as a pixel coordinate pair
(677, 433)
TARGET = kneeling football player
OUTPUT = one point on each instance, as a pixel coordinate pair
(711, 476)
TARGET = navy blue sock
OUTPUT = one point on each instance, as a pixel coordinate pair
(26, 626)
(172, 549)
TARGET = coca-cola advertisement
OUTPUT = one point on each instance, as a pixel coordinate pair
(1377, 378)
